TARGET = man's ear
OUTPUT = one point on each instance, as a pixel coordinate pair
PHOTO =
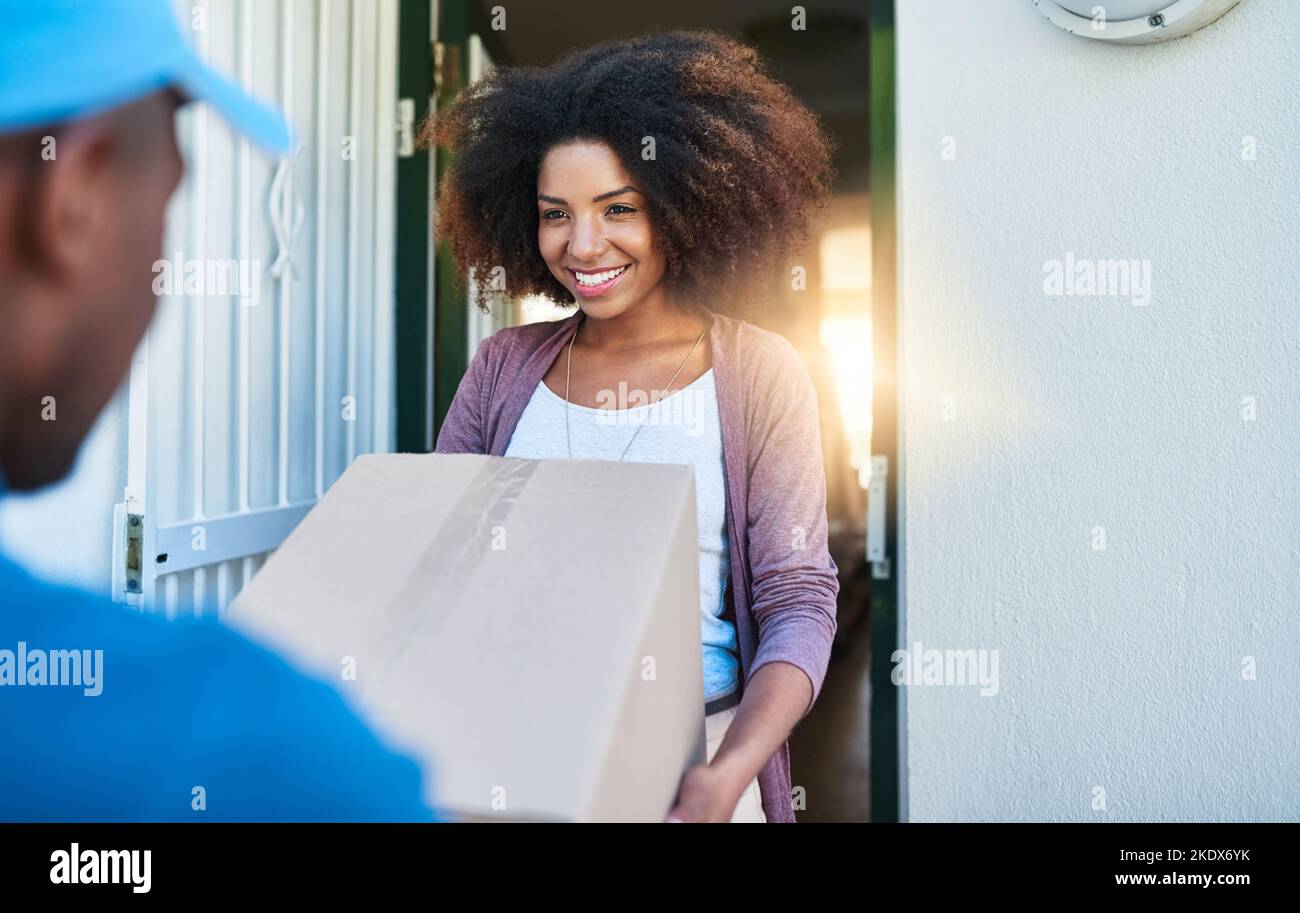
(69, 200)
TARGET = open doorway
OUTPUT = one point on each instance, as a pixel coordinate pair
(844, 756)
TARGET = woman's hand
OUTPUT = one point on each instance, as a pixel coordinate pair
(776, 697)
(708, 795)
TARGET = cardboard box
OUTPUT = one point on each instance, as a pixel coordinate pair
(529, 629)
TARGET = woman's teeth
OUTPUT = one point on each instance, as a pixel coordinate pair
(593, 279)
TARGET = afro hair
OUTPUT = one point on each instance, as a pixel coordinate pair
(730, 162)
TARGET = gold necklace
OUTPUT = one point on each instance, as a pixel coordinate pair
(567, 370)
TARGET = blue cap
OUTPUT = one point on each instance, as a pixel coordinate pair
(62, 60)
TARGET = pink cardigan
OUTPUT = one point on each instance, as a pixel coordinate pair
(776, 488)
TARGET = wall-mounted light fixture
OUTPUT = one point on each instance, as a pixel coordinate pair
(1133, 21)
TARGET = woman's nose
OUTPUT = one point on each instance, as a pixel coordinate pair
(587, 242)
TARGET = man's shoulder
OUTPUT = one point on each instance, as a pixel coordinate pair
(31, 607)
(197, 693)
(34, 606)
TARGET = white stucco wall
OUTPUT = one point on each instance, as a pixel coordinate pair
(1031, 420)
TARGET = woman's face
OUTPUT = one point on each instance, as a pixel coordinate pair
(593, 230)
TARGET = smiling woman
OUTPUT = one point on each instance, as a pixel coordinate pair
(600, 247)
(726, 161)
(659, 184)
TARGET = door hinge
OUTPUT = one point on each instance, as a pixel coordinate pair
(446, 70)
(405, 127)
(876, 528)
(134, 550)
(128, 554)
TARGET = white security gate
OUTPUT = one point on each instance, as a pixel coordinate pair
(270, 364)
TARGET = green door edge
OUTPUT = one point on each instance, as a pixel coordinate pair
(451, 317)
(456, 21)
(884, 623)
(439, 333)
(412, 319)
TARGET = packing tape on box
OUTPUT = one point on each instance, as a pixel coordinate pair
(457, 549)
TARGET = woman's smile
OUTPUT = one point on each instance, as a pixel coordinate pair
(591, 283)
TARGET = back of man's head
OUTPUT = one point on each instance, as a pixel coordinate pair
(88, 161)
(81, 222)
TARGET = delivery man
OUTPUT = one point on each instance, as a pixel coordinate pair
(106, 714)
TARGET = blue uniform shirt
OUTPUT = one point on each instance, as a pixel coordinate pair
(109, 715)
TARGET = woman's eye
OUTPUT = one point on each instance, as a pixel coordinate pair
(620, 209)
(553, 214)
